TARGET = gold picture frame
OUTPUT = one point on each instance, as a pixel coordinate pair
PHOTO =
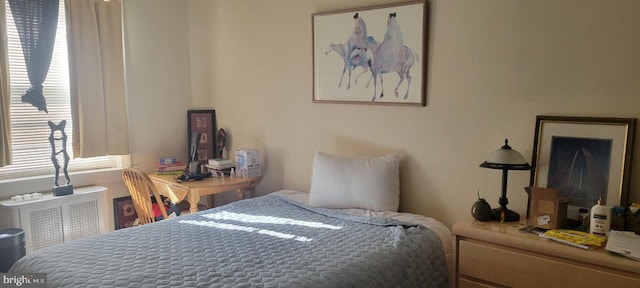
(584, 157)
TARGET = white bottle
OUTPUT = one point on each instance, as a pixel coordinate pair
(600, 220)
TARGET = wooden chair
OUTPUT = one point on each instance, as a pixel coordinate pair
(141, 189)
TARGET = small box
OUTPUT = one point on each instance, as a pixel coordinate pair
(248, 162)
(547, 209)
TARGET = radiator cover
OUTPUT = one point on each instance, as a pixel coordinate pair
(52, 220)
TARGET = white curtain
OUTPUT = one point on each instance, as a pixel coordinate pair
(5, 94)
(96, 68)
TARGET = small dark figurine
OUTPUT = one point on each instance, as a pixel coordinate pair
(57, 189)
(481, 210)
(221, 138)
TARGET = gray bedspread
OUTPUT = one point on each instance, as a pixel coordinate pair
(266, 241)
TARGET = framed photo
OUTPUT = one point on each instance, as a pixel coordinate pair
(584, 157)
(373, 55)
(203, 122)
(124, 213)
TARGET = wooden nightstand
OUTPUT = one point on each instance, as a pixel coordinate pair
(491, 254)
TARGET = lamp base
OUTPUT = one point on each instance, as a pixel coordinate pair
(509, 215)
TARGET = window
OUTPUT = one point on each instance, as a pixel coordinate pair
(29, 128)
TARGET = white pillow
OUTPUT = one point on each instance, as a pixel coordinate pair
(349, 182)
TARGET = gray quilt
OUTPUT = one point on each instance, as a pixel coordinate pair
(266, 241)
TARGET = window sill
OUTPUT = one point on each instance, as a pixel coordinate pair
(11, 187)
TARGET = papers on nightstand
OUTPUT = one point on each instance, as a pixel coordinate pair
(585, 247)
(625, 243)
(578, 239)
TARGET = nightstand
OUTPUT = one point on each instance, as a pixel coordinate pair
(494, 254)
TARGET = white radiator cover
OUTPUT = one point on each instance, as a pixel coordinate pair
(52, 220)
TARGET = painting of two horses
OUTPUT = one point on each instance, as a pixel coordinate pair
(371, 55)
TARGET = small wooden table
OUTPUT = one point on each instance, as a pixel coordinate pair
(192, 190)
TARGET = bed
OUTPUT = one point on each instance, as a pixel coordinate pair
(282, 239)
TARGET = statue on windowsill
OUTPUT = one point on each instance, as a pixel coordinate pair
(67, 188)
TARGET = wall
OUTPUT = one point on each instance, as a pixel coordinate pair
(492, 67)
(167, 73)
(158, 79)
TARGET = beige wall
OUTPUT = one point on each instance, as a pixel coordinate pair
(493, 65)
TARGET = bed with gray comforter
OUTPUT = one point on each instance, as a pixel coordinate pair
(267, 241)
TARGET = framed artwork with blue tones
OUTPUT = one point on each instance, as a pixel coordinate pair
(585, 158)
(374, 55)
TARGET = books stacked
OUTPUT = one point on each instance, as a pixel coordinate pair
(170, 166)
(217, 166)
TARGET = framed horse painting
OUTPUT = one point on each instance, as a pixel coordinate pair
(373, 55)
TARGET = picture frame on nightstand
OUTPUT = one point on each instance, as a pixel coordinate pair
(586, 158)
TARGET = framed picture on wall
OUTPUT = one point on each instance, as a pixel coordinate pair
(371, 55)
(585, 158)
(124, 213)
(202, 123)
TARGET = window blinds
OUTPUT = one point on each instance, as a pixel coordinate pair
(29, 128)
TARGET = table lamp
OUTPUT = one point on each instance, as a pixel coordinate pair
(505, 159)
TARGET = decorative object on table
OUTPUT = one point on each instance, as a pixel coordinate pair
(58, 136)
(248, 162)
(547, 209)
(204, 123)
(388, 41)
(194, 164)
(505, 159)
(585, 158)
(194, 171)
(481, 210)
(221, 139)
